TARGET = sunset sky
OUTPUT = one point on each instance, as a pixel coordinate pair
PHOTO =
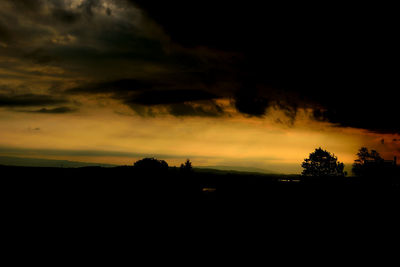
(249, 85)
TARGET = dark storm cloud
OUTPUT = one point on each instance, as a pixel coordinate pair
(208, 109)
(4, 34)
(178, 103)
(28, 100)
(227, 24)
(56, 7)
(113, 41)
(112, 87)
(248, 100)
(149, 98)
(65, 16)
(36, 10)
(39, 56)
(336, 59)
(139, 94)
(27, 5)
(88, 6)
(58, 110)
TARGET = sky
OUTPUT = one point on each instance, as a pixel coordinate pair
(248, 84)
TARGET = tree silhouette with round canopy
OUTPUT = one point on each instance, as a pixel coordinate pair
(151, 164)
(322, 163)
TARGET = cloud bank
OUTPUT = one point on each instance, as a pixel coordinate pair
(185, 57)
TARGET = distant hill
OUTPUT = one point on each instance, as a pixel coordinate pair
(32, 162)
(38, 162)
(237, 169)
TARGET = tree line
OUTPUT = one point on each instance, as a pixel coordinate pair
(368, 163)
(320, 163)
(153, 164)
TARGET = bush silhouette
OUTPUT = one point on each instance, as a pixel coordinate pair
(151, 164)
(322, 163)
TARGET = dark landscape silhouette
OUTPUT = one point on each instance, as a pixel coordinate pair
(206, 78)
(150, 179)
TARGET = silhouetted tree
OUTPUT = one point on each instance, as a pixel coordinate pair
(186, 167)
(363, 155)
(376, 156)
(151, 164)
(322, 163)
(367, 162)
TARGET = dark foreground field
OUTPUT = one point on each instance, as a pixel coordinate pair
(114, 206)
(123, 185)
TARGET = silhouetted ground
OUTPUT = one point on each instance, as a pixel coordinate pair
(112, 207)
(121, 185)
